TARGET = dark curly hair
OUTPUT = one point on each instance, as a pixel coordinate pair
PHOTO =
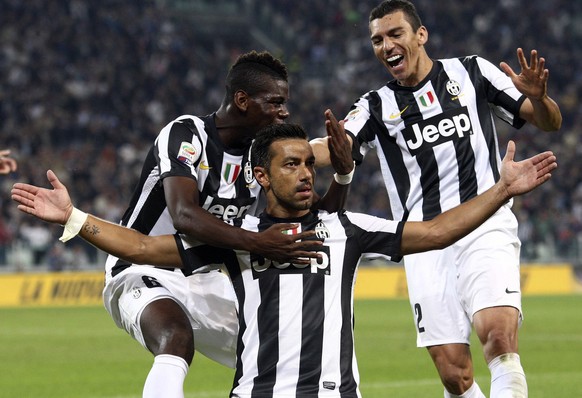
(251, 72)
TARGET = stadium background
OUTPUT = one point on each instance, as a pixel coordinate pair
(87, 86)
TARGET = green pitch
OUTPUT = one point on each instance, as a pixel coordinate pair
(78, 352)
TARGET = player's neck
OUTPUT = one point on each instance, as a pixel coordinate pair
(231, 133)
(422, 70)
(285, 213)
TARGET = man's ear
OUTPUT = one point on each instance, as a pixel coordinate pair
(422, 34)
(241, 100)
(261, 176)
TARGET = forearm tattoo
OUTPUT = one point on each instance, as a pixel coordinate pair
(91, 229)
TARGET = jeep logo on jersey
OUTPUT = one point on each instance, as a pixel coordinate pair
(262, 266)
(227, 209)
(447, 126)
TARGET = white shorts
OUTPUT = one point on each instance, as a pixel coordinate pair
(447, 287)
(208, 299)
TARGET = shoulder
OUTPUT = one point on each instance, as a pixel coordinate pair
(186, 128)
(371, 223)
(474, 61)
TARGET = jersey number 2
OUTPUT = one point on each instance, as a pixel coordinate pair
(418, 313)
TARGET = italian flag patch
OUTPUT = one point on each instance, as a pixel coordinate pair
(293, 231)
(427, 99)
(231, 172)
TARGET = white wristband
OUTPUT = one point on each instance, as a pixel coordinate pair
(73, 225)
(344, 179)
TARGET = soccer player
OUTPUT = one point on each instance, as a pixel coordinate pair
(7, 164)
(296, 320)
(433, 129)
(196, 176)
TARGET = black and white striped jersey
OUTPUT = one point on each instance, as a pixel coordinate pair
(189, 147)
(296, 322)
(437, 142)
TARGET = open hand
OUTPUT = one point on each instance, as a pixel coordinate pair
(48, 205)
(339, 143)
(522, 177)
(533, 78)
(286, 248)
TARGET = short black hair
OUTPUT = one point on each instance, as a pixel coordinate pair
(260, 152)
(392, 6)
(249, 73)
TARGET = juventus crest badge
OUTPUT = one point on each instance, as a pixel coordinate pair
(321, 231)
(248, 173)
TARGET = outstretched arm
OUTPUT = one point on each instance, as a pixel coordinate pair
(517, 178)
(538, 109)
(55, 206)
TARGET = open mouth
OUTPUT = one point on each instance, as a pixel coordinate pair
(395, 60)
(304, 191)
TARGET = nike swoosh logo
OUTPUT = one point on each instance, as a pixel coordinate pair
(204, 166)
(510, 291)
(396, 115)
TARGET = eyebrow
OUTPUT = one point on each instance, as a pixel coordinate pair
(390, 32)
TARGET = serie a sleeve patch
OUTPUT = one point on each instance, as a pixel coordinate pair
(188, 153)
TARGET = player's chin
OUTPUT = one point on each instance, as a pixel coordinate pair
(304, 203)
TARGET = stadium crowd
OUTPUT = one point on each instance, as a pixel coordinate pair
(87, 86)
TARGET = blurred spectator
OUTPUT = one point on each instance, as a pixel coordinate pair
(7, 164)
(38, 238)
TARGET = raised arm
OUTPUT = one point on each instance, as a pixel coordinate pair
(55, 206)
(517, 178)
(339, 155)
(321, 146)
(538, 109)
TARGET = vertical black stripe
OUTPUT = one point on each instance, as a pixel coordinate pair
(390, 149)
(313, 317)
(463, 149)
(214, 154)
(351, 258)
(483, 91)
(234, 273)
(429, 181)
(268, 316)
(467, 174)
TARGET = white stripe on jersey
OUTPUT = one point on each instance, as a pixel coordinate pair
(250, 336)
(290, 292)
